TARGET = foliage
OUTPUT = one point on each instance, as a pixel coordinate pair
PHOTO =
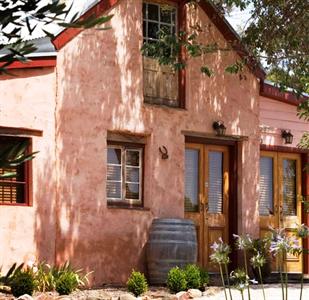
(44, 278)
(279, 76)
(22, 283)
(8, 277)
(137, 283)
(220, 253)
(204, 275)
(14, 155)
(67, 279)
(176, 280)
(240, 279)
(220, 256)
(66, 283)
(193, 276)
(276, 33)
(18, 16)
(64, 278)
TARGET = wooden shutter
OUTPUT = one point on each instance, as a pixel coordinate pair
(266, 206)
(215, 184)
(191, 180)
(289, 187)
(160, 83)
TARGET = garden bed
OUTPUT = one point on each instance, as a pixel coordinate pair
(273, 292)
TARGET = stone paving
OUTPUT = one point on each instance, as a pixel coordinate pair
(272, 291)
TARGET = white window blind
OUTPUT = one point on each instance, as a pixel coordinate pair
(215, 185)
(266, 206)
(192, 180)
(289, 187)
(114, 173)
(124, 174)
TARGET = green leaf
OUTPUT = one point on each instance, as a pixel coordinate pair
(205, 70)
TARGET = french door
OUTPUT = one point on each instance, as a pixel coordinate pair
(207, 195)
(280, 191)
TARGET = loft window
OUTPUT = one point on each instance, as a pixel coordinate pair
(160, 82)
(124, 174)
(158, 18)
(14, 190)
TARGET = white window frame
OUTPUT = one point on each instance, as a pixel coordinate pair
(123, 199)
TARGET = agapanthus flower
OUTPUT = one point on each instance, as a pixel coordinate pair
(243, 242)
(302, 231)
(282, 244)
(258, 260)
(220, 253)
(240, 279)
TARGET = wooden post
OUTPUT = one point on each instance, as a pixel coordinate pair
(305, 192)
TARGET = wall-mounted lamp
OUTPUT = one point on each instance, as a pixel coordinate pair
(287, 136)
(219, 127)
(164, 152)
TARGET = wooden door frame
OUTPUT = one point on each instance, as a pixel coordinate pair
(304, 186)
(233, 149)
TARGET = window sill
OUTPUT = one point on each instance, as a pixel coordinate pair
(16, 204)
(164, 106)
(127, 207)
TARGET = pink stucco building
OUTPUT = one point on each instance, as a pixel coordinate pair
(98, 112)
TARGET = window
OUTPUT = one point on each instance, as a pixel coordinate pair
(161, 83)
(158, 18)
(124, 174)
(14, 190)
(266, 186)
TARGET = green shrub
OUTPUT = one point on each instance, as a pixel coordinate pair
(44, 278)
(176, 280)
(137, 283)
(66, 283)
(193, 277)
(66, 279)
(22, 283)
(204, 278)
(8, 277)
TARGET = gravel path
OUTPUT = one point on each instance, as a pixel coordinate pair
(272, 291)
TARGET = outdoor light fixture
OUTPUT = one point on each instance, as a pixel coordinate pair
(219, 127)
(287, 136)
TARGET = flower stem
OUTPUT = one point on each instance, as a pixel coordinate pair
(261, 279)
(281, 277)
(286, 281)
(228, 280)
(222, 278)
(246, 268)
(242, 295)
(301, 286)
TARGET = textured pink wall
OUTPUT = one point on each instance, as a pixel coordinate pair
(276, 116)
(28, 100)
(100, 89)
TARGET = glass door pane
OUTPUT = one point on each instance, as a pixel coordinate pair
(289, 187)
(266, 186)
(192, 180)
(215, 184)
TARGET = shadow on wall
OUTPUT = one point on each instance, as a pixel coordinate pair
(99, 88)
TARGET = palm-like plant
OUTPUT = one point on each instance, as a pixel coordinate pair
(12, 156)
